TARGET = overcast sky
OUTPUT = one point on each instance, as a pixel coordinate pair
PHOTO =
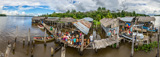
(38, 7)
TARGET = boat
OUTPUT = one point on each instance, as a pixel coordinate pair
(41, 39)
(41, 26)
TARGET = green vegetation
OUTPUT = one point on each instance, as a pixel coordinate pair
(2, 15)
(147, 47)
(97, 15)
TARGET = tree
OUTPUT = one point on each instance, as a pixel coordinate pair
(98, 17)
(134, 13)
(109, 15)
(68, 11)
(73, 11)
(99, 9)
(103, 8)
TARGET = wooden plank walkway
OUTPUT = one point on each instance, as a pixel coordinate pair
(48, 28)
(103, 43)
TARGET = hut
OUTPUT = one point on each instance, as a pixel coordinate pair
(83, 25)
(66, 22)
(38, 19)
(110, 24)
(147, 22)
(52, 20)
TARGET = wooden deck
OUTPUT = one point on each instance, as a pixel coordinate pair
(103, 43)
(98, 43)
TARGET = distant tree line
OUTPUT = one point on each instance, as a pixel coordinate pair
(2, 14)
(97, 15)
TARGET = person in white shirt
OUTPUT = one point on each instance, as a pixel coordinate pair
(91, 38)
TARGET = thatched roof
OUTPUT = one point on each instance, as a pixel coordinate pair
(145, 19)
(67, 20)
(52, 19)
(83, 25)
(106, 22)
(38, 18)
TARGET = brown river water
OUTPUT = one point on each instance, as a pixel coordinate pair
(8, 32)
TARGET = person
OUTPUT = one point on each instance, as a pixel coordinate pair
(114, 31)
(91, 38)
(80, 35)
(109, 33)
(77, 41)
(122, 28)
(74, 40)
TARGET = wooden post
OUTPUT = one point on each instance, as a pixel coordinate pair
(157, 55)
(82, 44)
(52, 52)
(63, 51)
(32, 52)
(29, 38)
(117, 40)
(45, 38)
(16, 33)
(14, 47)
(132, 49)
(8, 50)
(23, 42)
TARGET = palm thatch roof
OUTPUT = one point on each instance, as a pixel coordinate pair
(107, 21)
(145, 19)
(38, 18)
(52, 19)
(66, 20)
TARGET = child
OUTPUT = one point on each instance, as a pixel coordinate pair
(74, 40)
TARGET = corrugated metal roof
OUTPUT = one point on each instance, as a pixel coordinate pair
(83, 25)
(127, 19)
(88, 19)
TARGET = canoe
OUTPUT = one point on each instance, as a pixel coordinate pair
(41, 39)
(40, 26)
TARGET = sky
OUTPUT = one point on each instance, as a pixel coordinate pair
(39, 7)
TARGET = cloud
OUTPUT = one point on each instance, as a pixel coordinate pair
(140, 6)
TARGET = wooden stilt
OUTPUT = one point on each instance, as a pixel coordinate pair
(157, 55)
(8, 50)
(29, 38)
(45, 38)
(52, 51)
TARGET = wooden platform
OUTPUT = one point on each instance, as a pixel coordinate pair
(103, 43)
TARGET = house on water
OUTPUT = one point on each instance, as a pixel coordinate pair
(109, 25)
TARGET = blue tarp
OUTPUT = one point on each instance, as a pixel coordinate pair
(88, 19)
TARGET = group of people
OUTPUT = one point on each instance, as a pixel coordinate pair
(74, 38)
(127, 30)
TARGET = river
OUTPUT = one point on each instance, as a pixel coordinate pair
(8, 32)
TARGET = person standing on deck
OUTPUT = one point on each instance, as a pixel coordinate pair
(74, 40)
(109, 34)
(91, 38)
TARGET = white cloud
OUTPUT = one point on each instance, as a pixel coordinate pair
(10, 12)
(140, 6)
